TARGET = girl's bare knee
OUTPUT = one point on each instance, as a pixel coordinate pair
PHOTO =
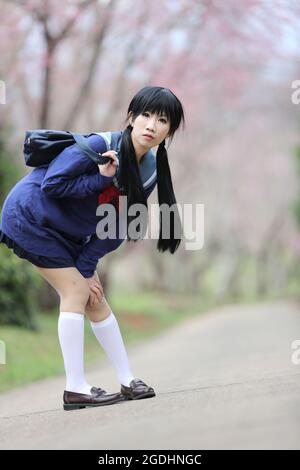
(73, 302)
(99, 312)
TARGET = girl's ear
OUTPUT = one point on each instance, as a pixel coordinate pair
(130, 119)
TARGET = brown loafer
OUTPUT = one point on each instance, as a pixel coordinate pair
(98, 397)
(136, 390)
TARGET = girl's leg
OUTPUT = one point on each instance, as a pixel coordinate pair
(73, 291)
(70, 285)
(106, 329)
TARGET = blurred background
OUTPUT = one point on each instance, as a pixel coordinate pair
(75, 65)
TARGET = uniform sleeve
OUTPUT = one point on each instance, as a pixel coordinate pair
(73, 174)
(95, 249)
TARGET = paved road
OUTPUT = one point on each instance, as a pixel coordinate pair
(224, 380)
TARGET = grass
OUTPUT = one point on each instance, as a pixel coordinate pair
(35, 355)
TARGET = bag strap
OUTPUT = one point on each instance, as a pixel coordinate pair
(84, 146)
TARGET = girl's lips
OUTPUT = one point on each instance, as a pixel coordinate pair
(148, 137)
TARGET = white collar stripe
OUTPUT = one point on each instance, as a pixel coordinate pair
(150, 180)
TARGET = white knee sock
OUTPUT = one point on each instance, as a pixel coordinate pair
(71, 338)
(109, 336)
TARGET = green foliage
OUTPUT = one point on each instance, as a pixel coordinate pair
(19, 286)
(297, 211)
(296, 207)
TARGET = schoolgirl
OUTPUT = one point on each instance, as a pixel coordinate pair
(49, 218)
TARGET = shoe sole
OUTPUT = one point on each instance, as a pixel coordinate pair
(139, 397)
(80, 406)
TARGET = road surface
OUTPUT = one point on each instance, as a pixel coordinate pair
(224, 380)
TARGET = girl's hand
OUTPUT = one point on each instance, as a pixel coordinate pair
(109, 168)
(96, 290)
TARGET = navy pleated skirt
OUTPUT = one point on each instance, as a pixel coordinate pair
(37, 260)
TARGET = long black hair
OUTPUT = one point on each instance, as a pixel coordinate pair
(153, 99)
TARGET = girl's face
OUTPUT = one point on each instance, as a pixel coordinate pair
(152, 124)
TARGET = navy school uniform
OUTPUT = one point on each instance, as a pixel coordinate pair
(49, 216)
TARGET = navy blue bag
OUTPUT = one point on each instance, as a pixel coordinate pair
(41, 146)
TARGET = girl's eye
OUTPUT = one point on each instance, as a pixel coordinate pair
(145, 113)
